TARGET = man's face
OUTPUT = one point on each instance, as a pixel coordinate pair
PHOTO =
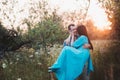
(73, 29)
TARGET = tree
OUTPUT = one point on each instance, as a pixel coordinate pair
(10, 40)
(113, 10)
(47, 32)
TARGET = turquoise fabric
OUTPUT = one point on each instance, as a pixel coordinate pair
(70, 63)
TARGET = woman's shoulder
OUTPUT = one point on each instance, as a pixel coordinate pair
(83, 36)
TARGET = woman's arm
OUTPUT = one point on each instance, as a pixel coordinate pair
(80, 41)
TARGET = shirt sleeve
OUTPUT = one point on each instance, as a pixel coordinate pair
(64, 44)
(80, 41)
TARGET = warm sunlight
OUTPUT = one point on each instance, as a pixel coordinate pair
(95, 13)
(21, 11)
(99, 16)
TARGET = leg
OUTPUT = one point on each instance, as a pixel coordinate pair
(85, 76)
(51, 75)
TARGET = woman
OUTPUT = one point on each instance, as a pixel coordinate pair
(70, 63)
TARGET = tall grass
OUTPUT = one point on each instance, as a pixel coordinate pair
(106, 60)
(30, 64)
(24, 66)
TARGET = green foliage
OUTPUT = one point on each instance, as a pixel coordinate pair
(31, 64)
(24, 66)
(105, 60)
(47, 32)
(2, 29)
(28, 64)
(113, 10)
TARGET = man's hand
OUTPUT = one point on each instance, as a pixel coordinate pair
(87, 46)
(67, 41)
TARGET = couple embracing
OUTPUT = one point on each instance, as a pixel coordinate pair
(74, 59)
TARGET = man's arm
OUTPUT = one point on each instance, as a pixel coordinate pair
(67, 41)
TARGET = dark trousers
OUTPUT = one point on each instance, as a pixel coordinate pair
(84, 75)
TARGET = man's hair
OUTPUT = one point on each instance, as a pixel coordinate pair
(69, 26)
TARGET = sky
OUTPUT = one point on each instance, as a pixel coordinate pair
(96, 13)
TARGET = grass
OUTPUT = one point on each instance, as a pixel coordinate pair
(106, 60)
(30, 64)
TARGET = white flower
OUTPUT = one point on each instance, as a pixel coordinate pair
(11, 62)
(31, 56)
(17, 59)
(4, 65)
(39, 63)
(36, 53)
(19, 79)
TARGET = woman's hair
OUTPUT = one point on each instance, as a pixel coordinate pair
(81, 29)
(69, 26)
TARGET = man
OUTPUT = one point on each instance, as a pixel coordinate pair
(68, 42)
(71, 38)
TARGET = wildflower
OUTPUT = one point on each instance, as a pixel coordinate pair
(39, 63)
(17, 59)
(36, 53)
(19, 79)
(4, 65)
(31, 56)
(11, 62)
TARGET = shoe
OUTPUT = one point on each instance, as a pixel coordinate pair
(50, 71)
